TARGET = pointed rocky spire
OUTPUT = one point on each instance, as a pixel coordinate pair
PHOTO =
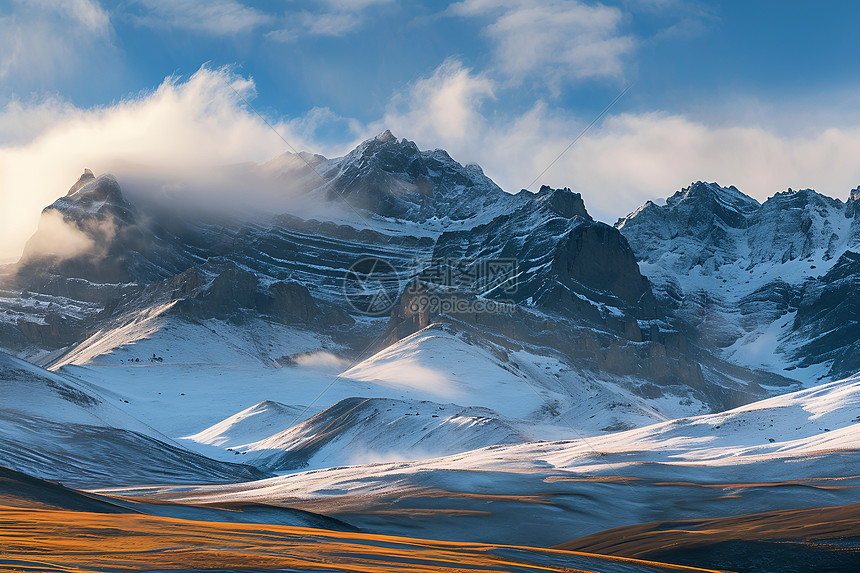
(386, 136)
(85, 178)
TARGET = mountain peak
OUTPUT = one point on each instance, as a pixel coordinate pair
(385, 147)
(385, 136)
(394, 178)
(85, 178)
(790, 192)
(90, 192)
(563, 202)
(730, 196)
(854, 195)
(727, 202)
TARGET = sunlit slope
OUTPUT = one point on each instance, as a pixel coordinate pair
(358, 430)
(54, 541)
(57, 428)
(819, 539)
(795, 451)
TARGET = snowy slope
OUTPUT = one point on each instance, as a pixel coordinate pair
(224, 405)
(57, 428)
(529, 383)
(358, 430)
(793, 451)
(250, 425)
(157, 337)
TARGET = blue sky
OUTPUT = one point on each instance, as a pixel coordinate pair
(682, 56)
(759, 94)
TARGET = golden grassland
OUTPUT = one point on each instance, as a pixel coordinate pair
(807, 526)
(33, 539)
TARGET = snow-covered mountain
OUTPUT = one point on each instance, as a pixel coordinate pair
(677, 310)
(579, 290)
(361, 429)
(769, 285)
(394, 179)
(61, 429)
(794, 451)
(659, 369)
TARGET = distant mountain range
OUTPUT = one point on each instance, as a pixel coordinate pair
(769, 285)
(525, 374)
(707, 302)
(711, 277)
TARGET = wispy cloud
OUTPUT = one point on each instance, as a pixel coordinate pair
(184, 128)
(304, 24)
(557, 40)
(445, 106)
(58, 239)
(333, 18)
(354, 5)
(626, 159)
(42, 39)
(215, 17)
(86, 13)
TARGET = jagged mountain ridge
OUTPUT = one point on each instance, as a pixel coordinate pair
(736, 270)
(393, 178)
(245, 283)
(580, 293)
(268, 257)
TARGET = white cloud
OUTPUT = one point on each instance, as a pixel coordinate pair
(443, 107)
(337, 18)
(635, 157)
(183, 128)
(331, 24)
(216, 17)
(623, 161)
(45, 39)
(557, 40)
(192, 125)
(354, 5)
(86, 13)
(58, 239)
(20, 121)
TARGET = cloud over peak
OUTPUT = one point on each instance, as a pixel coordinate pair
(558, 41)
(185, 126)
(191, 127)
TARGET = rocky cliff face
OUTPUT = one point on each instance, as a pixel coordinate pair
(852, 212)
(597, 257)
(566, 261)
(826, 328)
(697, 225)
(796, 225)
(393, 178)
(735, 271)
(664, 299)
(95, 233)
